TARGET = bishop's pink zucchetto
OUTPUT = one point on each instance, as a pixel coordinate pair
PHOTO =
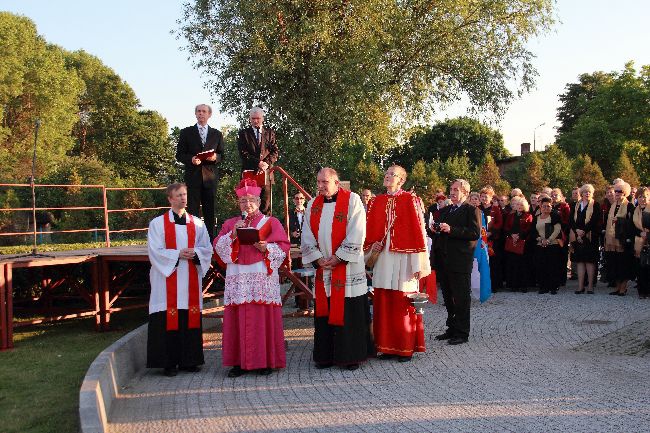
(248, 187)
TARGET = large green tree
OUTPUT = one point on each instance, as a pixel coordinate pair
(462, 136)
(603, 112)
(34, 84)
(331, 71)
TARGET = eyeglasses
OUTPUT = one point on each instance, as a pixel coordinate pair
(393, 175)
(618, 191)
(247, 200)
(299, 198)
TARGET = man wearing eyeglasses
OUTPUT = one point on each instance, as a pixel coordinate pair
(296, 218)
(459, 228)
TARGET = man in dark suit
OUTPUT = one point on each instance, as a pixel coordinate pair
(201, 174)
(258, 151)
(459, 229)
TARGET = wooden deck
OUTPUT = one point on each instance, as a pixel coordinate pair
(111, 274)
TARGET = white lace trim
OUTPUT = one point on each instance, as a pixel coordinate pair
(258, 287)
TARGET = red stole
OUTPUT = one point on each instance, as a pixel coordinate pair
(337, 288)
(401, 209)
(265, 231)
(194, 313)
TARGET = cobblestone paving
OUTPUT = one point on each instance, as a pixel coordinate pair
(534, 363)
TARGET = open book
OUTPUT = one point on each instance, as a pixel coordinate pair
(248, 235)
(206, 154)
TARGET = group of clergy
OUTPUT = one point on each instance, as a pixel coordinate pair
(339, 239)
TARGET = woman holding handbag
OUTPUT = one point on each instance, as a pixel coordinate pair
(584, 232)
(546, 235)
(618, 239)
(641, 246)
(516, 228)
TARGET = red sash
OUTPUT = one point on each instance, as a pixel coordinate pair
(337, 288)
(265, 231)
(194, 312)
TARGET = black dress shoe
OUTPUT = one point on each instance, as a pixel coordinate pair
(404, 359)
(191, 369)
(590, 292)
(170, 372)
(543, 292)
(457, 340)
(444, 336)
(352, 367)
(554, 292)
(614, 293)
(236, 371)
(323, 365)
(621, 293)
(264, 371)
(386, 356)
(579, 292)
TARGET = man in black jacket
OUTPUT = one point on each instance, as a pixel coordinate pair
(459, 229)
(195, 144)
(258, 152)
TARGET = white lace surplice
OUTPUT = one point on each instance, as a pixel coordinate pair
(251, 283)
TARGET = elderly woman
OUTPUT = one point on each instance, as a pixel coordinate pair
(516, 228)
(546, 235)
(618, 239)
(395, 231)
(641, 239)
(584, 232)
(253, 246)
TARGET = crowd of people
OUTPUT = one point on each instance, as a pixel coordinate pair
(388, 242)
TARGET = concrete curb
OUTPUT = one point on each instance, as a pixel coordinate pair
(113, 368)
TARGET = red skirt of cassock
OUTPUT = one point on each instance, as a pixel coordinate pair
(253, 337)
(396, 327)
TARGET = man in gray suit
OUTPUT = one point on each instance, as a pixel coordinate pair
(458, 229)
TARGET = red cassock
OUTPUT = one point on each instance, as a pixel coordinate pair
(397, 222)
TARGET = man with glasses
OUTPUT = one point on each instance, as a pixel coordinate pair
(258, 152)
(296, 218)
(459, 228)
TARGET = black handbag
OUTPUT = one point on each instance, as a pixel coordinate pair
(644, 257)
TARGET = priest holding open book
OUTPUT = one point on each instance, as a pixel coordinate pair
(253, 246)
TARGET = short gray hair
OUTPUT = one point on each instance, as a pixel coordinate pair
(256, 110)
(203, 105)
(464, 185)
(329, 171)
(587, 187)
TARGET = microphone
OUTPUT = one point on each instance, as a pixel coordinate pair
(244, 214)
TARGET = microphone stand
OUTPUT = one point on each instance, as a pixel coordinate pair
(34, 252)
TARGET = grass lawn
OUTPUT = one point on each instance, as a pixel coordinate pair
(40, 378)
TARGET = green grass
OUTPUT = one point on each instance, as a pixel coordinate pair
(43, 248)
(40, 378)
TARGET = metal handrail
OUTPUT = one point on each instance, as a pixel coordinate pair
(286, 177)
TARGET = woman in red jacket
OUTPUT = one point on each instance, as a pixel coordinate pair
(516, 228)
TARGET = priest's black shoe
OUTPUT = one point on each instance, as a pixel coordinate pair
(264, 371)
(191, 369)
(352, 367)
(323, 365)
(444, 336)
(236, 371)
(170, 372)
(457, 340)
(404, 359)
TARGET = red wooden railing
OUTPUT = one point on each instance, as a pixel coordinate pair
(104, 207)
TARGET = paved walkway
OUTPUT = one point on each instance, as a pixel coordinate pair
(534, 363)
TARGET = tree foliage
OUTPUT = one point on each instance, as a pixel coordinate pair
(602, 112)
(586, 171)
(34, 84)
(330, 71)
(461, 136)
(557, 168)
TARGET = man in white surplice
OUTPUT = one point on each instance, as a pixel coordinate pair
(180, 254)
(332, 239)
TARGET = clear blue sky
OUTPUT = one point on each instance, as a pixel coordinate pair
(133, 38)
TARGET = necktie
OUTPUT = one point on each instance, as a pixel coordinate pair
(202, 134)
(257, 134)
